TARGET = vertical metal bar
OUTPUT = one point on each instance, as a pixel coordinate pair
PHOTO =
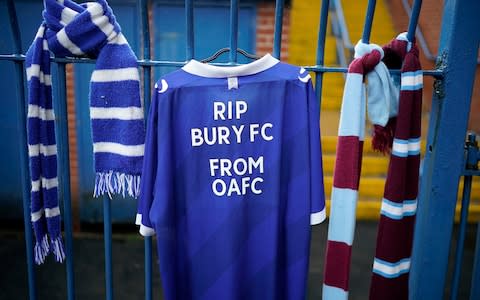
(475, 285)
(367, 27)
(22, 140)
(145, 29)
(22, 134)
(143, 10)
(442, 162)
(322, 33)
(416, 33)
(233, 30)
(17, 40)
(412, 25)
(473, 157)
(107, 237)
(107, 240)
(148, 268)
(467, 187)
(189, 28)
(147, 77)
(277, 36)
(64, 167)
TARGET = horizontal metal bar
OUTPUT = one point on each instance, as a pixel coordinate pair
(141, 62)
(325, 69)
(163, 63)
(159, 63)
(12, 57)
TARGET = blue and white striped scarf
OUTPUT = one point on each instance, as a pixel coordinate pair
(116, 111)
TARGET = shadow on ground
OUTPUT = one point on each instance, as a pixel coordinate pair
(128, 260)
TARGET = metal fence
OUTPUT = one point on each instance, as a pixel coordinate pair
(445, 161)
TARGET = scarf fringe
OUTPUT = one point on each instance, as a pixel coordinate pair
(382, 139)
(116, 183)
(57, 248)
(41, 250)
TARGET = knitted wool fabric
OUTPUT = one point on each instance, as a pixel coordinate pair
(383, 107)
(116, 110)
(391, 265)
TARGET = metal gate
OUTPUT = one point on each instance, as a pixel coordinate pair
(446, 158)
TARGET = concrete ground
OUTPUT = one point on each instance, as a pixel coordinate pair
(128, 266)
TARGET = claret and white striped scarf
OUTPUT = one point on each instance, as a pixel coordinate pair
(391, 265)
(394, 110)
(116, 111)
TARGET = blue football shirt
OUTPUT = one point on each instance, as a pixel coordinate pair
(232, 180)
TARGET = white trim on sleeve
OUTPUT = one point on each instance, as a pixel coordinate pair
(146, 231)
(318, 217)
(138, 219)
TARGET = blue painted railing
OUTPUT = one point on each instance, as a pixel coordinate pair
(322, 32)
(233, 30)
(471, 168)
(443, 163)
(475, 286)
(417, 32)
(412, 26)
(444, 146)
(367, 27)
(22, 134)
(147, 79)
(277, 35)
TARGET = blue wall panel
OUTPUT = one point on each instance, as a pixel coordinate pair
(211, 32)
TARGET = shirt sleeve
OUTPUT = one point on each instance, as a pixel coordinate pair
(317, 190)
(149, 170)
